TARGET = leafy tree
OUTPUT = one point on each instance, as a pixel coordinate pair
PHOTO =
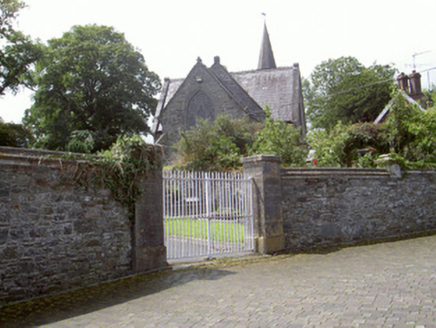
(93, 86)
(344, 90)
(14, 135)
(17, 52)
(281, 139)
(217, 145)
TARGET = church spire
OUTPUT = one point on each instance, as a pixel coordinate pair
(266, 57)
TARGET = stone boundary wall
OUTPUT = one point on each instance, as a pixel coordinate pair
(58, 236)
(301, 209)
(329, 207)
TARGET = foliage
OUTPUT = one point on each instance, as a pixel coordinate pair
(431, 96)
(411, 132)
(14, 135)
(217, 145)
(92, 86)
(281, 139)
(120, 169)
(17, 52)
(344, 90)
(329, 146)
(408, 136)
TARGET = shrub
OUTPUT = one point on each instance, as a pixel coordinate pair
(215, 146)
(281, 139)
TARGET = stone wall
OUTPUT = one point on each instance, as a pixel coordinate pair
(299, 209)
(56, 236)
(329, 207)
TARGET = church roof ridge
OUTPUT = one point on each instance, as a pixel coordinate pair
(281, 68)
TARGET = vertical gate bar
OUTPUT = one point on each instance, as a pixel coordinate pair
(196, 212)
(229, 217)
(188, 209)
(212, 212)
(187, 204)
(209, 245)
(179, 221)
(169, 212)
(223, 223)
(233, 212)
(164, 206)
(247, 224)
(235, 203)
(225, 212)
(186, 220)
(241, 212)
(250, 210)
(182, 212)
(173, 209)
(204, 214)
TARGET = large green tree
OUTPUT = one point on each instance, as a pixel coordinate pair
(14, 135)
(345, 90)
(92, 86)
(17, 51)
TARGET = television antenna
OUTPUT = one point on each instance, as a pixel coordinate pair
(417, 54)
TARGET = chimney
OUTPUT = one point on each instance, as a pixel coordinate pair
(415, 85)
(403, 82)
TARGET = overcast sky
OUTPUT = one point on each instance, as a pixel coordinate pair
(171, 34)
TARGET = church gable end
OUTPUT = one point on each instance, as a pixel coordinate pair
(201, 94)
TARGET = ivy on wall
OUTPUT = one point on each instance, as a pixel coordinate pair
(119, 169)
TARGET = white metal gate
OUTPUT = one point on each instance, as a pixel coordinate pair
(207, 214)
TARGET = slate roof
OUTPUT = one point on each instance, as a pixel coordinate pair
(279, 88)
(238, 92)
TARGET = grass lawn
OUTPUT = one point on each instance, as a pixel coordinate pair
(197, 228)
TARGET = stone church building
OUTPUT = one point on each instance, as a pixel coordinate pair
(208, 92)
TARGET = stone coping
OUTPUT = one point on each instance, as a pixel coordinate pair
(333, 171)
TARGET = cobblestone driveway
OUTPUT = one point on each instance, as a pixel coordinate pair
(384, 285)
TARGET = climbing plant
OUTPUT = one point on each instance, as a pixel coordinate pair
(120, 169)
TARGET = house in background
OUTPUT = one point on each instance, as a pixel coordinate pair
(208, 92)
(410, 85)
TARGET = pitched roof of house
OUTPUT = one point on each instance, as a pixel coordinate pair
(381, 117)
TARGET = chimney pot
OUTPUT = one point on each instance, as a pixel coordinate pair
(403, 82)
(415, 85)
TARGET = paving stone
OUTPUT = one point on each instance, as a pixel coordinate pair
(384, 285)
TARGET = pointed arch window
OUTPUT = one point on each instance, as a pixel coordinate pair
(200, 105)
